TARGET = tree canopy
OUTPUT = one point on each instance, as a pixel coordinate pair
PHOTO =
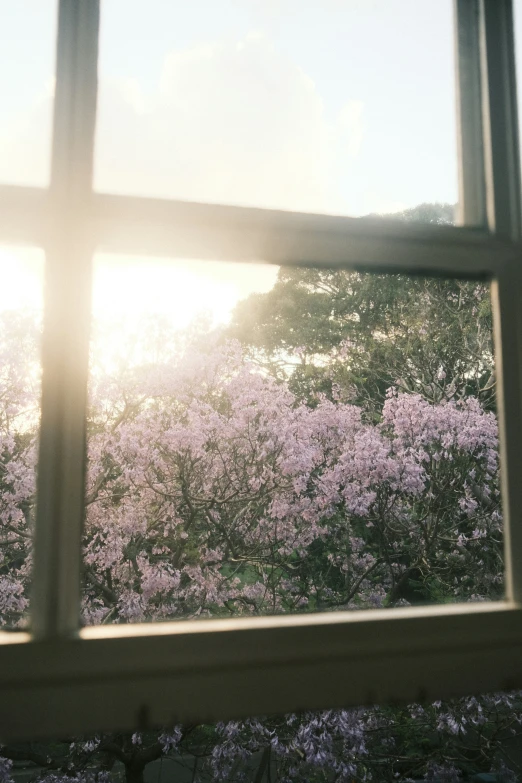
(335, 448)
(359, 334)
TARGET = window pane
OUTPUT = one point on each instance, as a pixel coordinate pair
(474, 739)
(20, 330)
(267, 441)
(340, 107)
(27, 60)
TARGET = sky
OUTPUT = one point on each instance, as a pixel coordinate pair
(342, 106)
(336, 106)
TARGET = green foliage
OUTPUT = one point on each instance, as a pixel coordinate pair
(353, 335)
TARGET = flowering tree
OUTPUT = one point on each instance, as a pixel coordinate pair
(19, 382)
(357, 334)
(215, 490)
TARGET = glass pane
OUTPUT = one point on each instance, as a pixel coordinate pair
(20, 329)
(469, 739)
(341, 107)
(27, 59)
(270, 441)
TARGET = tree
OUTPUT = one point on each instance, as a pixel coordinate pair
(19, 380)
(214, 491)
(219, 488)
(334, 331)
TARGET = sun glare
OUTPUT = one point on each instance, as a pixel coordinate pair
(130, 289)
(180, 291)
(22, 273)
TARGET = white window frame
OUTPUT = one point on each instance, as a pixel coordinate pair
(59, 679)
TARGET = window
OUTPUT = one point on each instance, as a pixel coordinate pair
(57, 678)
(282, 106)
(27, 108)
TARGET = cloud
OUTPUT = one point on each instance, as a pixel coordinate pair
(351, 128)
(229, 122)
(234, 122)
(25, 142)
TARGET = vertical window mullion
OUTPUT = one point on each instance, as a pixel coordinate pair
(470, 142)
(506, 296)
(65, 349)
(500, 121)
(504, 217)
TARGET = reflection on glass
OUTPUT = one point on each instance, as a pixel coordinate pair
(21, 272)
(337, 107)
(474, 739)
(268, 441)
(27, 61)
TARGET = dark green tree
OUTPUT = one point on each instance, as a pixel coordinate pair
(353, 335)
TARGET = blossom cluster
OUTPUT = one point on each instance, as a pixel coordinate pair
(213, 490)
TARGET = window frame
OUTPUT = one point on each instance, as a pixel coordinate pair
(60, 679)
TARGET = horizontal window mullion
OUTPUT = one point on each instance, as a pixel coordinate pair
(141, 702)
(136, 226)
(134, 676)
